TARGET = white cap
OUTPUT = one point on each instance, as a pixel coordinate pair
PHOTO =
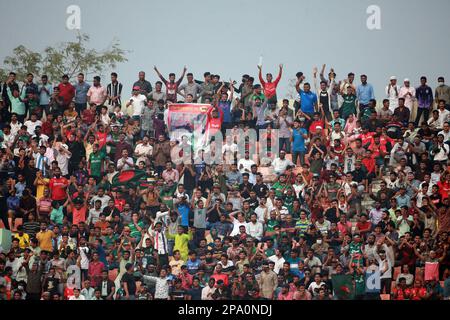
(406, 80)
(393, 78)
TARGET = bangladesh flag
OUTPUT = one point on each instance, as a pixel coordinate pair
(128, 178)
(343, 287)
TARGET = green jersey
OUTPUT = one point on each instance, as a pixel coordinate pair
(348, 106)
(96, 161)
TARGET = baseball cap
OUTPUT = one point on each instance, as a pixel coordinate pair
(136, 88)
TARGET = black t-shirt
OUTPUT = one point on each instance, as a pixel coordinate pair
(51, 285)
(131, 283)
(359, 175)
(178, 294)
(330, 215)
(189, 180)
(245, 194)
(213, 216)
(260, 190)
(196, 293)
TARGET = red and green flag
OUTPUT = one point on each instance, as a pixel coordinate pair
(128, 178)
(343, 287)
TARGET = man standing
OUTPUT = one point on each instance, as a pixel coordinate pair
(207, 88)
(45, 91)
(308, 99)
(392, 93)
(97, 94)
(66, 91)
(364, 93)
(268, 282)
(408, 93)
(58, 185)
(442, 93)
(191, 87)
(12, 84)
(425, 100)
(171, 85)
(269, 87)
(144, 85)
(138, 102)
(81, 90)
(114, 91)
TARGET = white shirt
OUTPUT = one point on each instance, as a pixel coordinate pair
(262, 213)
(445, 134)
(280, 165)
(15, 127)
(63, 159)
(246, 165)
(80, 297)
(255, 229)
(31, 126)
(84, 263)
(444, 116)
(278, 263)
(442, 155)
(207, 292)
(138, 104)
(409, 100)
(125, 164)
(105, 199)
(236, 226)
(392, 95)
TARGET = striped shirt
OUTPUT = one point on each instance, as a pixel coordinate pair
(114, 90)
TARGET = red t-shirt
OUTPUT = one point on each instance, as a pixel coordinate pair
(101, 137)
(47, 128)
(88, 116)
(79, 215)
(67, 92)
(315, 124)
(444, 189)
(270, 88)
(367, 138)
(58, 187)
(214, 124)
(221, 276)
(369, 163)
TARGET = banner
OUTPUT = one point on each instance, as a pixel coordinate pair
(190, 120)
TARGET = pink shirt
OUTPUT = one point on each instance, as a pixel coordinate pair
(288, 296)
(97, 94)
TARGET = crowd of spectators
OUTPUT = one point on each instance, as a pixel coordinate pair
(354, 184)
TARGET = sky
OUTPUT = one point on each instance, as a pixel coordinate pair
(228, 37)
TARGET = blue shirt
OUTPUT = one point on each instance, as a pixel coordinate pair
(225, 106)
(298, 143)
(307, 100)
(364, 93)
(44, 97)
(183, 209)
(81, 90)
(193, 266)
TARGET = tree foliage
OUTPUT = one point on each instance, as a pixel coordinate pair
(68, 58)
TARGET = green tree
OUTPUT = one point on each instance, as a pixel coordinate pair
(68, 58)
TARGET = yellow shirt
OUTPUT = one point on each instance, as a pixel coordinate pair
(42, 184)
(24, 240)
(45, 240)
